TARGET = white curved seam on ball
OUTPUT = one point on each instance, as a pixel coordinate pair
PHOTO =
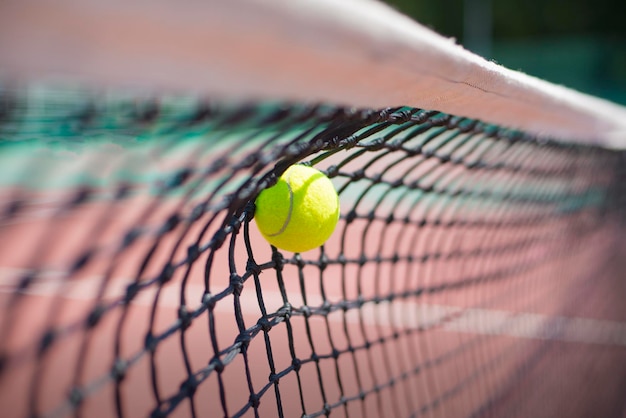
(282, 229)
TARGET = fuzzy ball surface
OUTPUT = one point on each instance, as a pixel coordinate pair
(300, 212)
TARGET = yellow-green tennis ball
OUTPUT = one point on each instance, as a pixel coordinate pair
(300, 211)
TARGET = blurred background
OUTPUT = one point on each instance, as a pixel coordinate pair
(577, 43)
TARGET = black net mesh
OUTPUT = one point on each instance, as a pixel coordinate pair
(475, 270)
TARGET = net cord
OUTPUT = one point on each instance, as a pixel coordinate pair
(354, 53)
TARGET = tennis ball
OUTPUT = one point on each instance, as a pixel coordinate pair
(300, 211)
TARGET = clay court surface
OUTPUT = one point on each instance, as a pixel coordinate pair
(548, 329)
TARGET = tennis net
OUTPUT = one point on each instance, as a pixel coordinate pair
(476, 269)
